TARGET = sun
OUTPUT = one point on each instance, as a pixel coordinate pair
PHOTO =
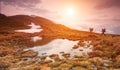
(70, 11)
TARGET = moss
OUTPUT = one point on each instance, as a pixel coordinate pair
(65, 65)
(55, 64)
(79, 68)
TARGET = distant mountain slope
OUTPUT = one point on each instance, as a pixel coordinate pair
(51, 30)
(21, 22)
(9, 23)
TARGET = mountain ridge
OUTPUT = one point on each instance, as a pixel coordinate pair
(51, 30)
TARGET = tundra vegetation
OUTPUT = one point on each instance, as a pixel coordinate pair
(105, 54)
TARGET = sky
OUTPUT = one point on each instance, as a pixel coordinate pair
(76, 14)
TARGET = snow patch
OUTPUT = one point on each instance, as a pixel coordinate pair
(34, 28)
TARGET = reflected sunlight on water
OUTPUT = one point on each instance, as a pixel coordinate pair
(61, 45)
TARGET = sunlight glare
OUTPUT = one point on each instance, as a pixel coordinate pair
(70, 11)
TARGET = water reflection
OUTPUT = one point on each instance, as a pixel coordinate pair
(36, 38)
(62, 45)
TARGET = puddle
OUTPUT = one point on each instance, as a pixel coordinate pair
(34, 28)
(61, 45)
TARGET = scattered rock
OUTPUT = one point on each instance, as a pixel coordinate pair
(28, 53)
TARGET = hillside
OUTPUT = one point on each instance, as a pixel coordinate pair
(8, 25)
(51, 30)
(48, 35)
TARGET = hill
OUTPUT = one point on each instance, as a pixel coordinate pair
(52, 30)
(14, 39)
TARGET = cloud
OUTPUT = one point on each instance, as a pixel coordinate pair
(27, 5)
(116, 30)
(39, 10)
(107, 4)
(21, 3)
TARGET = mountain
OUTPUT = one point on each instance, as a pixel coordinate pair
(7, 23)
(51, 30)
(15, 46)
(21, 22)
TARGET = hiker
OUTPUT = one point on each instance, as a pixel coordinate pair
(91, 30)
(103, 31)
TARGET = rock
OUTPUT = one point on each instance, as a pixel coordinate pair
(96, 60)
(48, 61)
(55, 64)
(80, 43)
(55, 57)
(62, 52)
(85, 64)
(25, 63)
(28, 53)
(43, 57)
(45, 67)
(96, 53)
(66, 55)
(44, 53)
(65, 66)
(98, 47)
(80, 49)
(75, 47)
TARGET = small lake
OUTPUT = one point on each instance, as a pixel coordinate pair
(55, 46)
(62, 45)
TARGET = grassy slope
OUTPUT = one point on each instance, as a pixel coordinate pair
(104, 45)
(51, 30)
